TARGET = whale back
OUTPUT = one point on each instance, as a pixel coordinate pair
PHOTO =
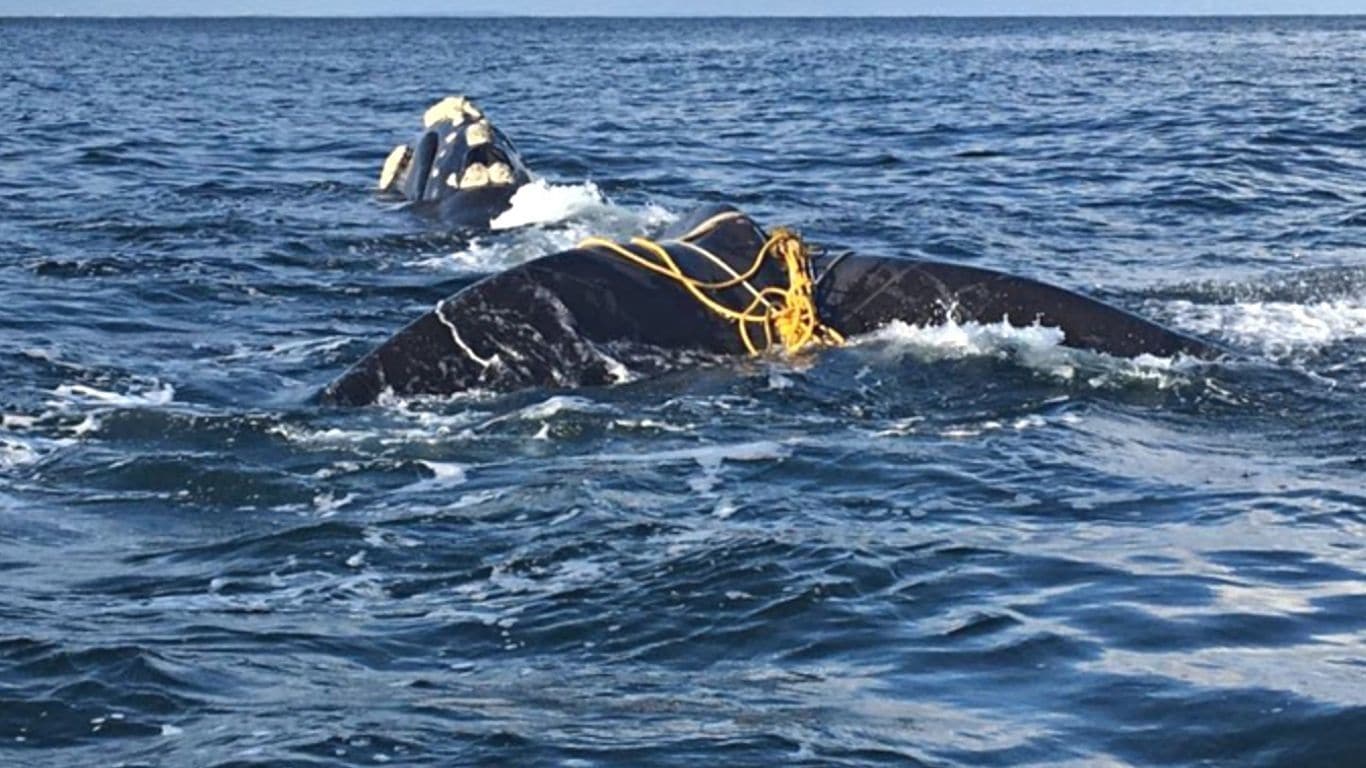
(582, 317)
(589, 316)
(858, 294)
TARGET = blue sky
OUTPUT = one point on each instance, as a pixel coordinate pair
(673, 7)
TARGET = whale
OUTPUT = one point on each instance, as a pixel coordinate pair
(589, 317)
(459, 168)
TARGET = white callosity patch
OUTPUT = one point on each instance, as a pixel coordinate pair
(457, 117)
(394, 165)
(475, 175)
(1276, 327)
(500, 174)
(453, 108)
(478, 134)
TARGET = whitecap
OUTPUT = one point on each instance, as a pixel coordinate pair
(445, 474)
(14, 452)
(157, 395)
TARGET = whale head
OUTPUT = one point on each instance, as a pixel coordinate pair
(460, 167)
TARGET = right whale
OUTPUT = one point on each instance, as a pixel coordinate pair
(460, 167)
(590, 316)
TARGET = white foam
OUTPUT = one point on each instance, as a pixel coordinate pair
(445, 474)
(616, 369)
(547, 218)
(159, 394)
(1037, 347)
(709, 457)
(1276, 327)
(82, 401)
(14, 452)
(953, 340)
(327, 504)
(651, 424)
(541, 202)
(557, 404)
(324, 438)
(17, 420)
(417, 426)
(546, 410)
(475, 258)
(294, 350)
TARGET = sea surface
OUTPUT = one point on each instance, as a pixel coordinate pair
(936, 546)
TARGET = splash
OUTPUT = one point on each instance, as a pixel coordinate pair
(548, 218)
(1036, 347)
(541, 202)
(954, 340)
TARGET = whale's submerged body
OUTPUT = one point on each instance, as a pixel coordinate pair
(586, 316)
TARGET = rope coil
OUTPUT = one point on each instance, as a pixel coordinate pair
(786, 313)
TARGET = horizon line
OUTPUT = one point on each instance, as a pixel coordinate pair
(675, 16)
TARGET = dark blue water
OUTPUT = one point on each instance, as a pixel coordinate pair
(961, 546)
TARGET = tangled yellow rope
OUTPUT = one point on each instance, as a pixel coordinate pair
(789, 313)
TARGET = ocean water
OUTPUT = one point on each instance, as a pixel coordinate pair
(943, 546)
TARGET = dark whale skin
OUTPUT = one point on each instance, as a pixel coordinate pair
(580, 317)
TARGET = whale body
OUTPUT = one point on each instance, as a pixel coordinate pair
(585, 317)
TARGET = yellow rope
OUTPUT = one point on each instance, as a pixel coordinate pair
(789, 313)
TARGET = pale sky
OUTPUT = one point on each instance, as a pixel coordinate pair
(673, 7)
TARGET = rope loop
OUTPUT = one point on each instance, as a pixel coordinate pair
(786, 315)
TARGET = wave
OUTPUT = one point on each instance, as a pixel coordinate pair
(70, 413)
